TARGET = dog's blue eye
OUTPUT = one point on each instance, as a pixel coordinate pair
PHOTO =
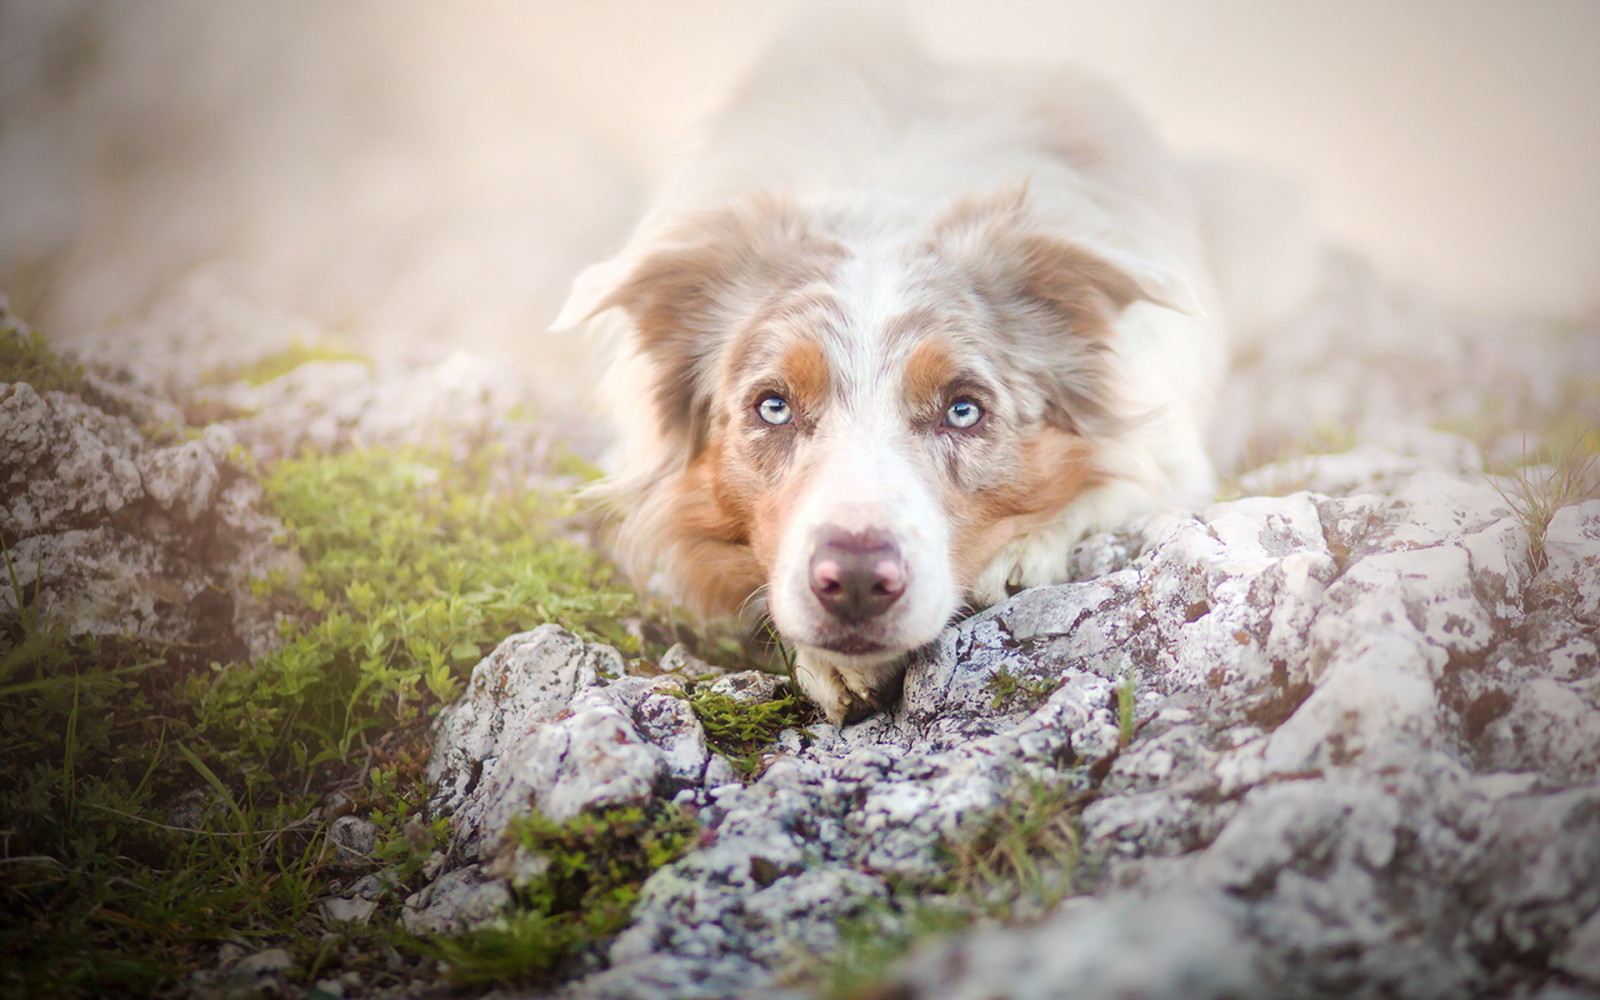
(963, 413)
(775, 410)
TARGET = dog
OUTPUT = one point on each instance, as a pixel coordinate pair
(892, 339)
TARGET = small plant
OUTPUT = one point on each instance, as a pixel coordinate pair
(742, 731)
(1545, 482)
(415, 567)
(1026, 853)
(873, 940)
(156, 804)
(573, 884)
(1127, 700)
(1016, 865)
(1024, 691)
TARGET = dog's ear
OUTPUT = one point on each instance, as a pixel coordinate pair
(691, 289)
(1056, 301)
(997, 240)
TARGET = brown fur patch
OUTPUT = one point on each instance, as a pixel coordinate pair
(929, 370)
(706, 527)
(687, 298)
(804, 369)
(1056, 470)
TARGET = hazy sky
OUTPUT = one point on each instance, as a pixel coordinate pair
(452, 165)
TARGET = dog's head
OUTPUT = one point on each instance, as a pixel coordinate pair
(857, 417)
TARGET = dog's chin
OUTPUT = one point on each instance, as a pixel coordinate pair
(858, 646)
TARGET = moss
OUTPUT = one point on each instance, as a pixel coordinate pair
(159, 804)
(26, 356)
(1018, 691)
(281, 363)
(743, 732)
(416, 567)
(579, 885)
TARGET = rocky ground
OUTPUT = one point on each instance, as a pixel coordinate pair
(1362, 762)
(1339, 736)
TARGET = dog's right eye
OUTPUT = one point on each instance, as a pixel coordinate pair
(775, 410)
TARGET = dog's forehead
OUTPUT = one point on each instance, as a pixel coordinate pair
(880, 326)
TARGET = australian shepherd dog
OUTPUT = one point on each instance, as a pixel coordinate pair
(891, 340)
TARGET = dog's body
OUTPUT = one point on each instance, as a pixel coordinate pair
(891, 342)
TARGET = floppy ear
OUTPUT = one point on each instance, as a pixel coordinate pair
(1003, 247)
(690, 291)
(1055, 299)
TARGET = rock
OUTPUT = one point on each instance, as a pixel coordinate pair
(327, 406)
(351, 910)
(264, 963)
(1361, 761)
(353, 838)
(121, 535)
(457, 900)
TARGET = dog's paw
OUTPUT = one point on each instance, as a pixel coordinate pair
(847, 696)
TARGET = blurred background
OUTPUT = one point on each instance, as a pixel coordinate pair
(186, 181)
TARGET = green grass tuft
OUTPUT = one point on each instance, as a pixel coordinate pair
(1546, 480)
(874, 940)
(1127, 700)
(1017, 865)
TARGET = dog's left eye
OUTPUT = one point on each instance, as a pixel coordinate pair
(775, 410)
(962, 414)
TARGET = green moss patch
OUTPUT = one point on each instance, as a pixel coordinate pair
(574, 884)
(1018, 691)
(280, 363)
(25, 356)
(742, 731)
(416, 566)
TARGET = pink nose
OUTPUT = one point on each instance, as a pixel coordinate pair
(857, 576)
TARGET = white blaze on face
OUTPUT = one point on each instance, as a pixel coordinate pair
(863, 480)
(863, 484)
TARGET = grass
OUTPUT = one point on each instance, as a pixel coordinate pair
(1018, 864)
(1127, 700)
(157, 807)
(1546, 480)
